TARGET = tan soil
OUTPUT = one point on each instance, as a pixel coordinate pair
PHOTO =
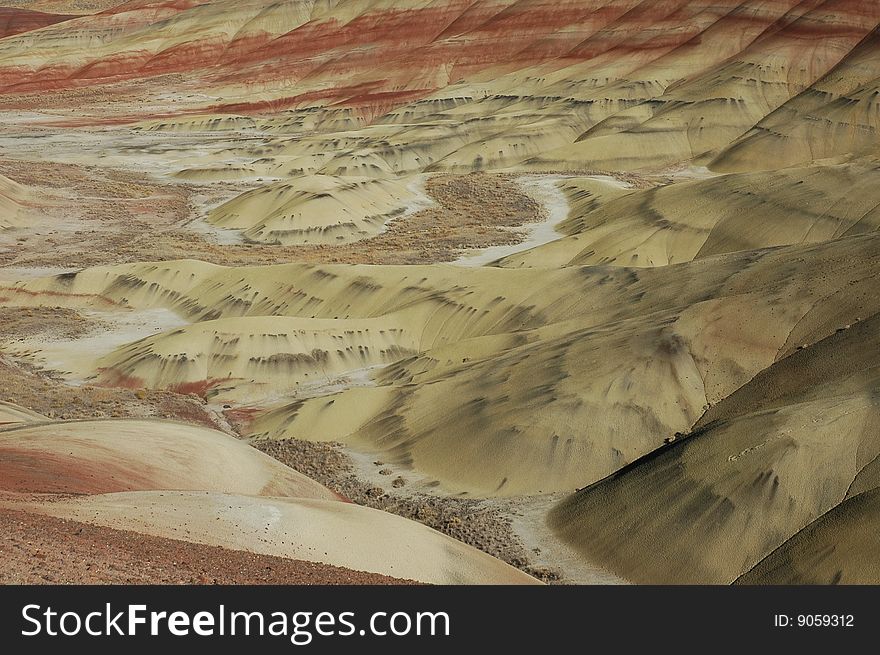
(125, 217)
(471, 211)
(56, 322)
(130, 218)
(480, 524)
(38, 549)
(51, 397)
(63, 6)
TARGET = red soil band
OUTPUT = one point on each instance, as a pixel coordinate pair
(17, 21)
(29, 471)
(38, 549)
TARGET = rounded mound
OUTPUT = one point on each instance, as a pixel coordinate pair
(316, 209)
(92, 457)
(342, 534)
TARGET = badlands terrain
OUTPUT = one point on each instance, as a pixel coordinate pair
(440, 291)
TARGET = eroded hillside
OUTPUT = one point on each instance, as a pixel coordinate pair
(589, 285)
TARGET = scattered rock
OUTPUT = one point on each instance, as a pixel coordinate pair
(473, 522)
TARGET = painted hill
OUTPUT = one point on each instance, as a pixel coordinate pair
(605, 269)
(15, 21)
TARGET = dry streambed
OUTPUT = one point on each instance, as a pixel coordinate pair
(52, 346)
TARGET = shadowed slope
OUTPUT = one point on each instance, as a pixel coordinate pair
(760, 468)
(690, 220)
(256, 357)
(317, 209)
(561, 406)
(841, 547)
(632, 354)
(838, 115)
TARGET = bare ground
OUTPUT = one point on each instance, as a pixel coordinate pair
(54, 322)
(128, 218)
(63, 6)
(52, 397)
(37, 549)
(477, 523)
(124, 217)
